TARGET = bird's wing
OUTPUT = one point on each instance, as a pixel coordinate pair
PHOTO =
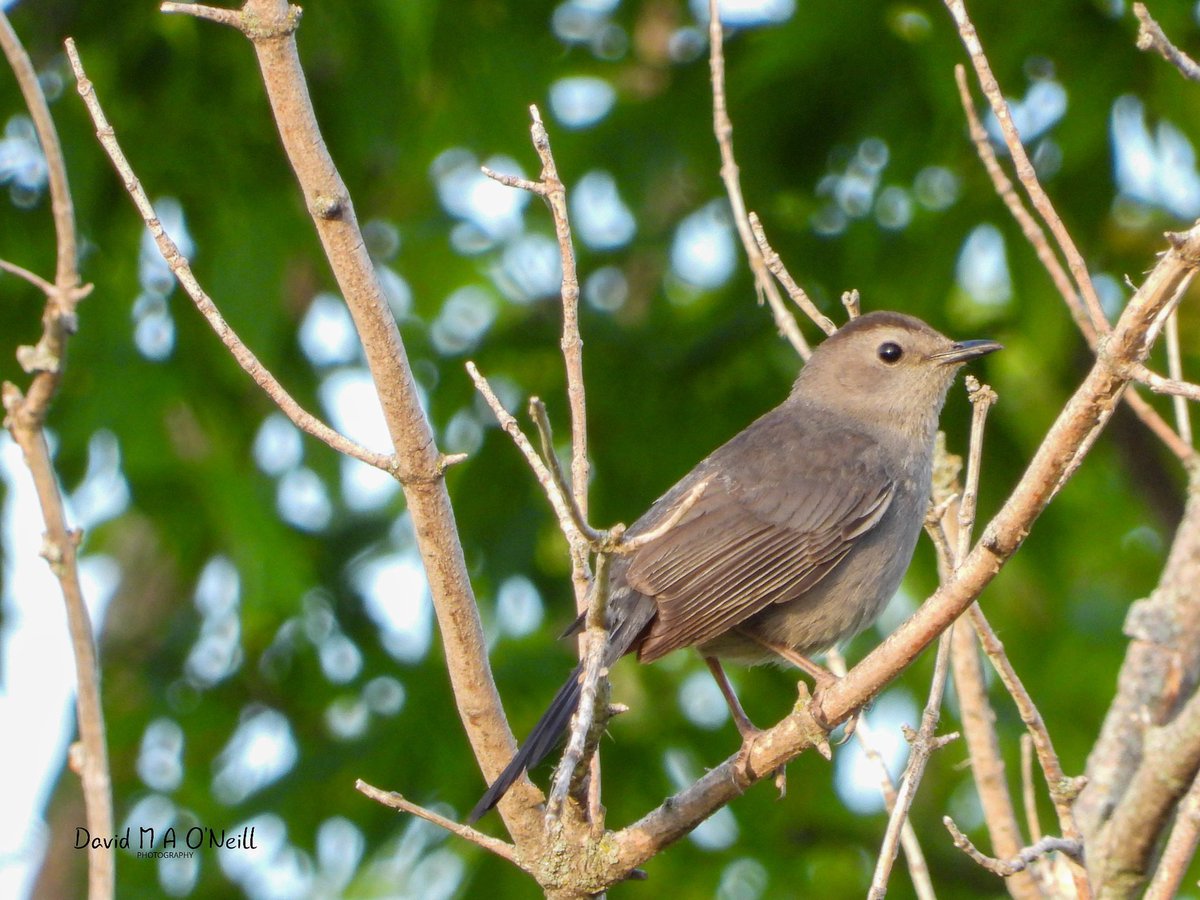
(753, 539)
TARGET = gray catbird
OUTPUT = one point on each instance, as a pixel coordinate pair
(803, 530)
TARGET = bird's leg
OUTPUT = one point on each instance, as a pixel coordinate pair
(822, 677)
(747, 729)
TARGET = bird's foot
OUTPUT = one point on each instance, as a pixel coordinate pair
(741, 763)
(848, 731)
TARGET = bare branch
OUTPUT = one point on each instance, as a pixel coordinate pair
(982, 399)
(1183, 419)
(1063, 789)
(1058, 275)
(987, 762)
(515, 181)
(1024, 167)
(1019, 863)
(1161, 385)
(21, 272)
(1151, 37)
(723, 129)
(537, 412)
(591, 715)
(923, 745)
(1029, 226)
(220, 15)
(950, 524)
(501, 848)
(914, 857)
(677, 514)
(572, 343)
(62, 208)
(270, 26)
(850, 301)
(1028, 795)
(1181, 847)
(182, 270)
(779, 270)
(25, 415)
(558, 500)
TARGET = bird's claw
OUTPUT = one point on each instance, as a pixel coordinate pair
(741, 763)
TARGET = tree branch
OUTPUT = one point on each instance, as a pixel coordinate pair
(987, 763)
(1058, 275)
(270, 26)
(1151, 37)
(1183, 418)
(918, 868)
(1024, 167)
(923, 744)
(723, 129)
(182, 270)
(25, 416)
(502, 849)
(1161, 669)
(1006, 868)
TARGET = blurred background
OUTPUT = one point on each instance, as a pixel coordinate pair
(267, 636)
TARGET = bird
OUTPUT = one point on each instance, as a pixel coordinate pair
(791, 537)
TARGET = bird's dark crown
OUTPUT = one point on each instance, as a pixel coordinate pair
(882, 319)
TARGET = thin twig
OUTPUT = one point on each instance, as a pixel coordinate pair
(25, 415)
(551, 188)
(1054, 268)
(1180, 848)
(515, 181)
(1162, 385)
(558, 500)
(61, 206)
(1019, 863)
(501, 848)
(975, 711)
(1028, 795)
(779, 270)
(232, 17)
(1024, 167)
(987, 762)
(182, 270)
(1063, 789)
(21, 272)
(1183, 419)
(588, 722)
(572, 343)
(864, 733)
(922, 746)
(850, 300)
(628, 545)
(1151, 37)
(982, 399)
(723, 129)
(541, 421)
(1029, 227)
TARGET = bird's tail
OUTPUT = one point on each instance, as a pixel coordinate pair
(537, 746)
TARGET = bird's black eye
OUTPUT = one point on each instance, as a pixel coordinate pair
(890, 352)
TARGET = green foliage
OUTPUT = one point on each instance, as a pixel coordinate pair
(397, 84)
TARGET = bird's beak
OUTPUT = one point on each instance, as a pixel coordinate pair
(965, 351)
